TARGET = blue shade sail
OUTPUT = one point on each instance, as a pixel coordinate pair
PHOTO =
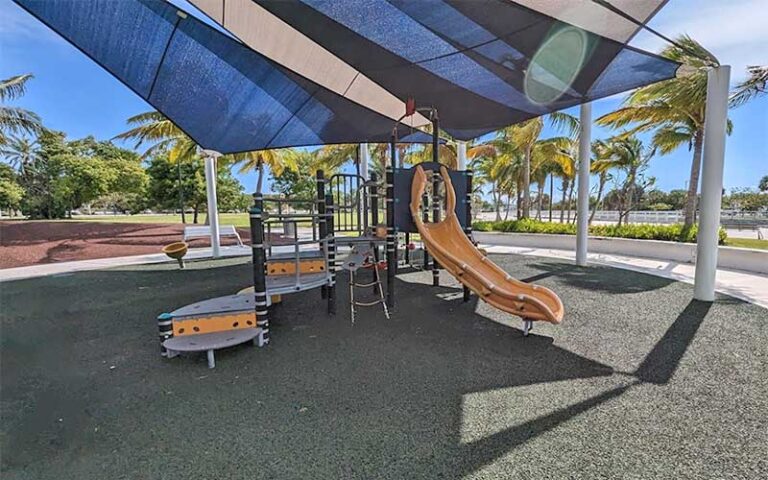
(484, 64)
(224, 95)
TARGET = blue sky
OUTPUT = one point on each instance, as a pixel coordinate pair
(75, 95)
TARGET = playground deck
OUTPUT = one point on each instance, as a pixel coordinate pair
(638, 382)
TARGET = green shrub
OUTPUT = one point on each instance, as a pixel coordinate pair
(660, 207)
(672, 233)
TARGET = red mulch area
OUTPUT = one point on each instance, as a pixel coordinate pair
(32, 243)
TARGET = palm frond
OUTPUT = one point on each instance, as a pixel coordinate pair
(567, 122)
(754, 86)
(14, 120)
(14, 87)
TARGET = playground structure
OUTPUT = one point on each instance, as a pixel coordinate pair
(345, 215)
(553, 61)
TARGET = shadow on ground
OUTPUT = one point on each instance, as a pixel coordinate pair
(438, 391)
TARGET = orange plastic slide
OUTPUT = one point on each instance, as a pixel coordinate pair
(449, 245)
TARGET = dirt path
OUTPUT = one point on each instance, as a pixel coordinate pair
(26, 243)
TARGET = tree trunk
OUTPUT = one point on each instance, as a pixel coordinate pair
(562, 200)
(539, 200)
(551, 194)
(693, 181)
(181, 191)
(570, 198)
(509, 203)
(194, 214)
(600, 187)
(527, 183)
(496, 201)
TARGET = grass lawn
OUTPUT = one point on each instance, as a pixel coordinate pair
(236, 219)
(747, 243)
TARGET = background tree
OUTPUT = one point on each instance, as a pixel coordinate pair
(633, 158)
(15, 120)
(524, 137)
(763, 185)
(299, 184)
(602, 163)
(674, 110)
(163, 189)
(754, 86)
(747, 200)
(19, 152)
(164, 136)
(11, 192)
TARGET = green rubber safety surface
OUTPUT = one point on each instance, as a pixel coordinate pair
(638, 382)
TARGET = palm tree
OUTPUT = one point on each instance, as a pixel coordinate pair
(446, 155)
(603, 161)
(753, 87)
(524, 136)
(277, 160)
(15, 120)
(674, 108)
(491, 166)
(21, 154)
(332, 157)
(631, 156)
(156, 128)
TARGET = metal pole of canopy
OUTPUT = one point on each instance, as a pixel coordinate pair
(582, 207)
(711, 182)
(365, 160)
(461, 156)
(213, 208)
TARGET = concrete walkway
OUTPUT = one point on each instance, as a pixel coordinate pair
(750, 287)
(746, 286)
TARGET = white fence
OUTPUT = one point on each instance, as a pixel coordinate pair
(730, 219)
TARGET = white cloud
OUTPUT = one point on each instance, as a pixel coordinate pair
(735, 32)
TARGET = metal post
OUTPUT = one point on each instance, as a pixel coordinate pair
(461, 156)
(435, 218)
(374, 195)
(259, 269)
(391, 233)
(331, 245)
(213, 209)
(322, 225)
(425, 219)
(435, 190)
(365, 159)
(468, 224)
(582, 207)
(165, 327)
(711, 182)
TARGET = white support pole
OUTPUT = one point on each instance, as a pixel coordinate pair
(582, 206)
(365, 160)
(718, 80)
(461, 156)
(213, 208)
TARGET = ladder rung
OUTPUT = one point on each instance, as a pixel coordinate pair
(368, 304)
(366, 285)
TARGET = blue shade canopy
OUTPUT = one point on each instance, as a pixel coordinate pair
(484, 64)
(225, 96)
